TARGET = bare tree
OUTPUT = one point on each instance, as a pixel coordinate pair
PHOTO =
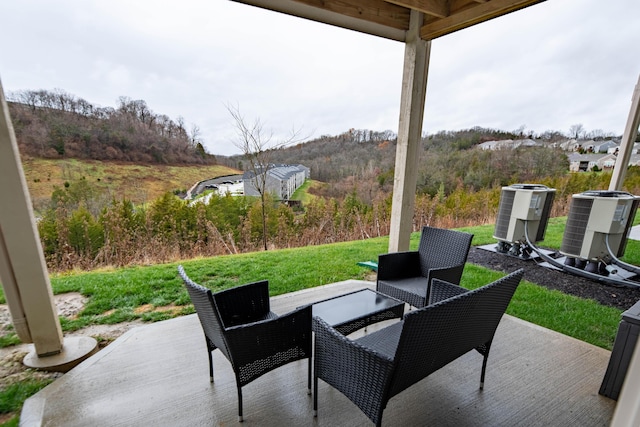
(576, 131)
(194, 135)
(256, 146)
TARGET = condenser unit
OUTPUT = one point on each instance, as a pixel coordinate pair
(519, 203)
(594, 215)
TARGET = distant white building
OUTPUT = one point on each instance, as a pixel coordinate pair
(509, 144)
(570, 145)
(634, 160)
(586, 162)
(496, 145)
(527, 142)
(281, 180)
(604, 146)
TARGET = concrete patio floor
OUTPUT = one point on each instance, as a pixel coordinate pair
(157, 375)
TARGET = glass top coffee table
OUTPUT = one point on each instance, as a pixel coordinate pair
(349, 312)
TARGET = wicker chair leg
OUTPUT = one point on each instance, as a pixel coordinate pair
(484, 369)
(210, 367)
(309, 377)
(240, 419)
(315, 396)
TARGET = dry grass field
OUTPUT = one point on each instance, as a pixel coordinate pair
(136, 182)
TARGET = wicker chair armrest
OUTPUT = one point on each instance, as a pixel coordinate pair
(243, 304)
(447, 274)
(398, 265)
(361, 374)
(253, 341)
(442, 290)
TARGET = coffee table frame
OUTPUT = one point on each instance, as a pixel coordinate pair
(355, 310)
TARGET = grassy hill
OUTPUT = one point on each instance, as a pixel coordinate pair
(137, 182)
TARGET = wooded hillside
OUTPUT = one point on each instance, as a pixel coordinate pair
(56, 124)
(363, 161)
(99, 215)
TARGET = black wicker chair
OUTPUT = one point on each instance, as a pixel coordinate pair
(372, 369)
(407, 276)
(238, 321)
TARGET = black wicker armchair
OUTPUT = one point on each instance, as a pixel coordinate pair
(372, 369)
(239, 322)
(407, 276)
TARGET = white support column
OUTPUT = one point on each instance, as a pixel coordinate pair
(23, 271)
(626, 145)
(627, 412)
(414, 89)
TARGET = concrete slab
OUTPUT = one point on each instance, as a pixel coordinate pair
(75, 349)
(157, 375)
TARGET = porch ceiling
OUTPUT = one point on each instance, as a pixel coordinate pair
(390, 18)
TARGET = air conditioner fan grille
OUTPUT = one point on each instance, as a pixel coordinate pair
(504, 213)
(576, 226)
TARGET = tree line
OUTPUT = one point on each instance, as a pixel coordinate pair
(56, 124)
(83, 230)
(364, 161)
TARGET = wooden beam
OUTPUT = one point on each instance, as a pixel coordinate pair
(23, 271)
(471, 16)
(378, 11)
(375, 17)
(412, 100)
(457, 6)
(628, 139)
(439, 8)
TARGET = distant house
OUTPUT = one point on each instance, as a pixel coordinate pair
(496, 145)
(608, 162)
(614, 149)
(527, 142)
(570, 145)
(634, 160)
(281, 180)
(588, 146)
(604, 146)
(509, 144)
(586, 162)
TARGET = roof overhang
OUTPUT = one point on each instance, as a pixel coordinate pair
(390, 19)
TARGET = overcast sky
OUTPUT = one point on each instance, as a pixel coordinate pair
(547, 67)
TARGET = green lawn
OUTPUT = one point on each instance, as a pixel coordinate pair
(116, 295)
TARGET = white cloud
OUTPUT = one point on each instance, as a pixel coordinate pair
(547, 67)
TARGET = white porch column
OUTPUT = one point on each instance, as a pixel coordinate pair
(627, 412)
(626, 145)
(414, 89)
(23, 272)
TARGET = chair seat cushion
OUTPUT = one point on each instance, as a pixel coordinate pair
(384, 341)
(414, 285)
(412, 290)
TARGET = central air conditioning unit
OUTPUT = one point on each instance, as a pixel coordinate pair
(593, 215)
(519, 203)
